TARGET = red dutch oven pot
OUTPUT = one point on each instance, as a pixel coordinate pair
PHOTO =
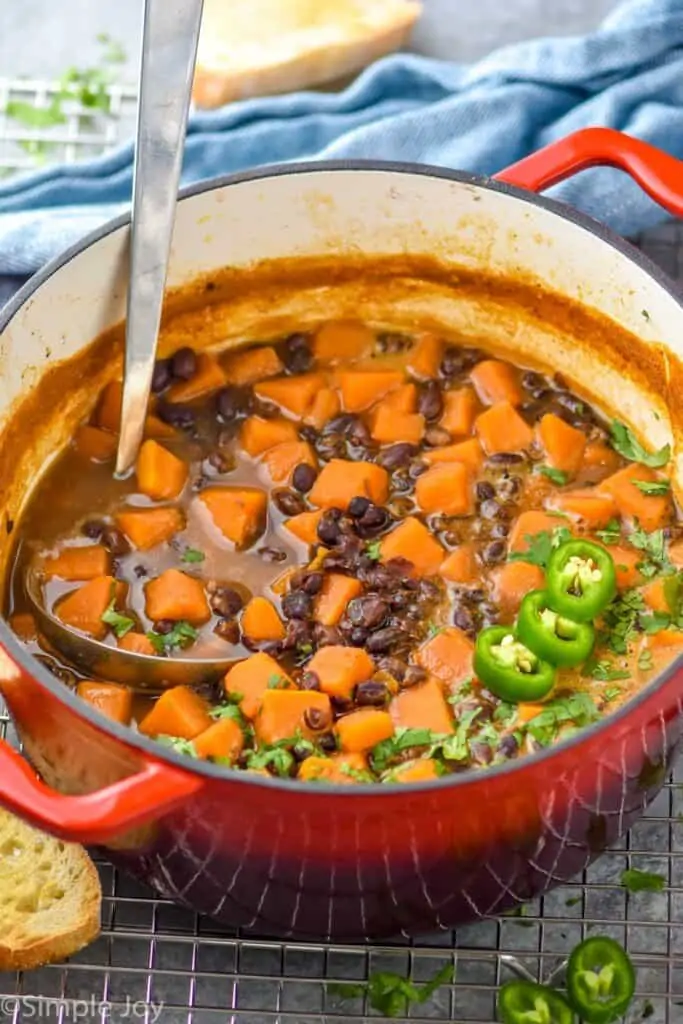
(305, 860)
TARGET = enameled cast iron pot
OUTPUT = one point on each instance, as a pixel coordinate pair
(314, 860)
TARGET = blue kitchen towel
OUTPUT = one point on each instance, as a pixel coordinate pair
(628, 74)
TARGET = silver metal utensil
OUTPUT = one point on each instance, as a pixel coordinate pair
(169, 49)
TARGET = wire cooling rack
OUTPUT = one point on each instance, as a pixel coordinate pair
(156, 962)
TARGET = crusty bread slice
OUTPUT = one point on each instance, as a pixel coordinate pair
(260, 47)
(50, 897)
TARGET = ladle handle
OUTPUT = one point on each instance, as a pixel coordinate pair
(169, 49)
(657, 173)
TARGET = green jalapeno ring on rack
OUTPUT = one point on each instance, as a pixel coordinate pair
(601, 980)
(524, 1002)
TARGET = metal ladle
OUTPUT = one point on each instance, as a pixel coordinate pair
(169, 48)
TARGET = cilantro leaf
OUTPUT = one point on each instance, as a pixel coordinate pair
(177, 744)
(277, 682)
(603, 671)
(652, 488)
(652, 544)
(181, 635)
(628, 445)
(645, 661)
(192, 555)
(403, 739)
(541, 546)
(578, 710)
(374, 550)
(611, 533)
(557, 476)
(121, 624)
(391, 994)
(642, 881)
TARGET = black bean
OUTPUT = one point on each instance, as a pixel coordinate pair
(396, 455)
(414, 674)
(416, 468)
(327, 636)
(288, 502)
(506, 459)
(372, 694)
(308, 433)
(394, 666)
(93, 528)
(161, 375)
(230, 402)
(175, 415)
(184, 364)
(310, 681)
(384, 639)
(303, 477)
(221, 461)
(435, 437)
(114, 541)
(228, 630)
(272, 554)
(398, 600)
(296, 605)
(317, 719)
(485, 490)
(451, 538)
(367, 611)
(358, 506)
(373, 521)
(225, 601)
(393, 343)
(358, 636)
(163, 626)
(428, 590)
(327, 742)
(400, 507)
(401, 567)
(328, 529)
(494, 552)
(312, 583)
(532, 380)
(453, 362)
(401, 481)
(490, 509)
(499, 531)
(430, 401)
(508, 746)
(296, 353)
(358, 434)
(298, 633)
(508, 487)
(338, 425)
(464, 620)
(481, 752)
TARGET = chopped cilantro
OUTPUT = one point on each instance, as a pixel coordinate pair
(180, 746)
(433, 629)
(603, 671)
(193, 555)
(276, 757)
(645, 315)
(504, 712)
(374, 550)
(305, 648)
(612, 692)
(541, 546)
(611, 533)
(572, 901)
(277, 682)
(355, 773)
(652, 488)
(653, 545)
(403, 739)
(645, 661)
(642, 881)
(121, 624)
(579, 710)
(556, 475)
(222, 711)
(181, 635)
(391, 994)
(672, 593)
(622, 620)
(655, 623)
(628, 445)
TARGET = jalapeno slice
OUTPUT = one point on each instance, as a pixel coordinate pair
(551, 636)
(508, 668)
(600, 980)
(580, 580)
(523, 1002)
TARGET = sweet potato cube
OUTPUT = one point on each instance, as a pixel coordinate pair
(626, 562)
(448, 656)
(294, 395)
(502, 429)
(512, 582)
(161, 474)
(110, 699)
(210, 376)
(258, 434)
(389, 426)
(178, 712)
(261, 622)
(283, 715)
(224, 741)
(248, 680)
(78, 563)
(342, 339)
(177, 596)
(425, 356)
(496, 381)
(304, 526)
(339, 769)
(590, 507)
(422, 707)
(136, 643)
(340, 669)
(362, 730)
(528, 525)
(402, 399)
(460, 408)
(108, 412)
(252, 364)
(282, 460)
(340, 481)
(422, 769)
(461, 565)
(412, 541)
(564, 445)
(446, 488)
(337, 590)
(362, 388)
(156, 428)
(147, 527)
(238, 512)
(325, 407)
(95, 444)
(468, 452)
(652, 511)
(655, 595)
(84, 607)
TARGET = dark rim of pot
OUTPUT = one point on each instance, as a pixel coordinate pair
(471, 776)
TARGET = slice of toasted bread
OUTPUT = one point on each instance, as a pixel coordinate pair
(50, 897)
(259, 47)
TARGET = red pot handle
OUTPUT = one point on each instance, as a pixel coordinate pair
(659, 174)
(95, 817)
